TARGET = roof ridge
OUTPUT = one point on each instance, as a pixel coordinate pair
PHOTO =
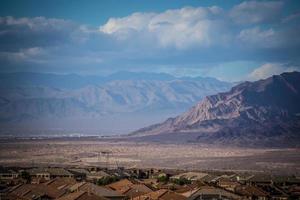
(163, 193)
(50, 181)
(82, 193)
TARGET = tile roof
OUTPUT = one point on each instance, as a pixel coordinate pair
(209, 190)
(51, 171)
(81, 195)
(136, 190)
(61, 183)
(99, 190)
(119, 185)
(29, 190)
(251, 191)
(162, 194)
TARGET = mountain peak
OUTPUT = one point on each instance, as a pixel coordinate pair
(247, 107)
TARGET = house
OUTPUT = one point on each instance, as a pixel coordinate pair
(227, 184)
(192, 176)
(34, 191)
(79, 173)
(210, 178)
(135, 190)
(8, 174)
(94, 176)
(61, 183)
(273, 191)
(162, 194)
(49, 173)
(209, 192)
(186, 190)
(81, 195)
(97, 190)
(252, 192)
(294, 192)
(270, 179)
(120, 185)
(227, 177)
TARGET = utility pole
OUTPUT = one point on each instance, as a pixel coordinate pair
(106, 154)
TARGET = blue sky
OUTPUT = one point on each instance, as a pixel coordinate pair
(229, 40)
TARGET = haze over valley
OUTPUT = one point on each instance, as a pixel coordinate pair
(115, 104)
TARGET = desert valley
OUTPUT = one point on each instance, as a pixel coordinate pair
(149, 100)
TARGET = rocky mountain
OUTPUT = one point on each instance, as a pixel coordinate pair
(123, 100)
(264, 112)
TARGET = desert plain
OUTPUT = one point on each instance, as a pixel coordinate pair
(86, 152)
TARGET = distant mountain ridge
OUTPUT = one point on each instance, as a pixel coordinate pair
(75, 81)
(251, 112)
(27, 97)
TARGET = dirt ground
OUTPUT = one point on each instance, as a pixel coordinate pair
(64, 152)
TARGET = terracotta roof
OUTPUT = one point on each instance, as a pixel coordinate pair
(172, 196)
(137, 190)
(27, 191)
(153, 195)
(212, 191)
(14, 197)
(99, 191)
(76, 186)
(162, 194)
(119, 185)
(81, 195)
(185, 188)
(251, 191)
(61, 183)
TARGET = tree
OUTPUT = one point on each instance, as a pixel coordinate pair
(107, 180)
(181, 181)
(163, 179)
(26, 176)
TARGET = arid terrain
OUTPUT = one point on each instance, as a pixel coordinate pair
(91, 152)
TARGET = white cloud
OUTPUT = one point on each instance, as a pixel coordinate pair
(39, 23)
(270, 69)
(180, 28)
(251, 12)
(136, 21)
(258, 37)
(187, 38)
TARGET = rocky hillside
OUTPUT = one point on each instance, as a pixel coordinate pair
(28, 98)
(257, 112)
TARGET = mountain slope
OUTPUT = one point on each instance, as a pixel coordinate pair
(145, 97)
(262, 111)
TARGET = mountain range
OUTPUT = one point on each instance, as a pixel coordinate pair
(117, 103)
(264, 112)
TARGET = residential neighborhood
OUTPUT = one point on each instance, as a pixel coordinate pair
(93, 183)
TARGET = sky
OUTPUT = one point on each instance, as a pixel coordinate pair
(229, 40)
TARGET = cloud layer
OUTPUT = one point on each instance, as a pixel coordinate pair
(270, 69)
(181, 28)
(187, 38)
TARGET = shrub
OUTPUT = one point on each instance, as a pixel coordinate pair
(26, 176)
(107, 180)
(181, 181)
(163, 179)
